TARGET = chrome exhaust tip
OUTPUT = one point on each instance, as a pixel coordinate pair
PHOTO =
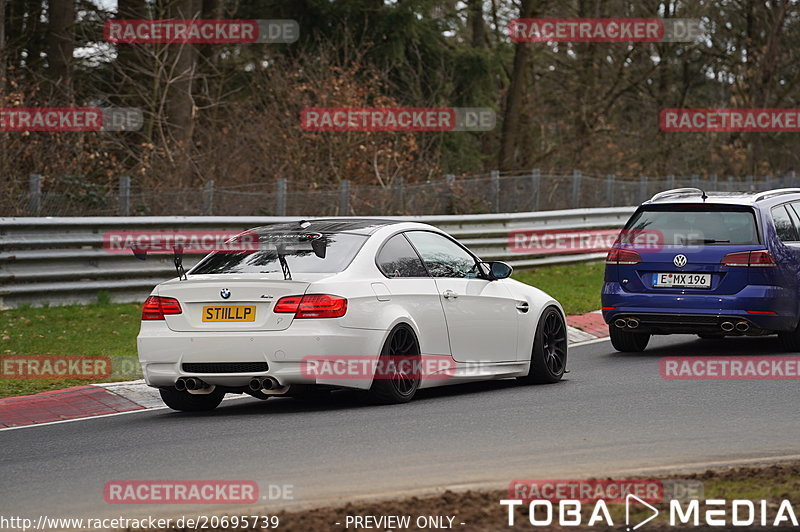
(633, 323)
(269, 384)
(180, 384)
(726, 326)
(620, 323)
(256, 383)
(742, 326)
(195, 384)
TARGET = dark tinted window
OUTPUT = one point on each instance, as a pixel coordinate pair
(398, 259)
(295, 246)
(442, 256)
(783, 224)
(693, 224)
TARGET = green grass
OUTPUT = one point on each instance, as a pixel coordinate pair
(110, 329)
(101, 329)
(576, 286)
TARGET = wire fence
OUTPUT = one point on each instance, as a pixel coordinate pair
(479, 194)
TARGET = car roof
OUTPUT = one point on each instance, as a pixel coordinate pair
(698, 196)
(363, 226)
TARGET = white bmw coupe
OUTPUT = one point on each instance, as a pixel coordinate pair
(383, 306)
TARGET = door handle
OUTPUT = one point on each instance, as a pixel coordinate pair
(449, 294)
(522, 306)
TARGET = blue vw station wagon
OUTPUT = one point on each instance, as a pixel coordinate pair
(726, 264)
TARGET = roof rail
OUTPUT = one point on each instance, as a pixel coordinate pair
(776, 192)
(677, 191)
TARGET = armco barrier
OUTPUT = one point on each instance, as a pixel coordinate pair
(61, 260)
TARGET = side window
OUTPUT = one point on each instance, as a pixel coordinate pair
(398, 259)
(442, 256)
(783, 224)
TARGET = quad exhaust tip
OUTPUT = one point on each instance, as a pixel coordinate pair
(727, 326)
(631, 323)
(263, 383)
(742, 326)
(620, 323)
(190, 384)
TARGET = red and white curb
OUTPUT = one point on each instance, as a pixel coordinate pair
(80, 402)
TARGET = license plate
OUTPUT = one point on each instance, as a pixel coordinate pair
(682, 280)
(230, 313)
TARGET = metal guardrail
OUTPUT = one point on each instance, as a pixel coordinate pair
(62, 260)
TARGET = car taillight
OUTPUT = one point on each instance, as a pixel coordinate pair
(312, 306)
(752, 259)
(623, 256)
(155, 307)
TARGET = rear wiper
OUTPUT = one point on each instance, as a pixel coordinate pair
(707, 241)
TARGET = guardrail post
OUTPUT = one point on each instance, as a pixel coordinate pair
(695, 181)
(731, 186)
(399, 200)
(449, 181)
(576, 188)
(714, 185)
(208, 198)
(344, 197)
(280, 197)
(125, 195)
(34, 194)
(536, 188)
(670, 181)
(610, 180)
(496, 190)
(643, 189)
(749, 182)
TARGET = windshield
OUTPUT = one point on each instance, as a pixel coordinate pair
(692, 224)
(303, 251)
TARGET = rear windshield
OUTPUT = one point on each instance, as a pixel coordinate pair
(304, 253)
(692, 224)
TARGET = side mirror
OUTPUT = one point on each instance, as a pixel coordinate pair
(499, 270)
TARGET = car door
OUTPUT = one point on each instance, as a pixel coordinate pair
(482, 318)
(409, 286)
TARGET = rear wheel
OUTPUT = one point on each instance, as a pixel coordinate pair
(790, 341)
(628, 342)
(189, 402)
(549, 355)
(393, 382)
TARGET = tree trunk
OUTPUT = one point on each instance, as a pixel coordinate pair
(516, 89)
(181, 73)
(60, 47)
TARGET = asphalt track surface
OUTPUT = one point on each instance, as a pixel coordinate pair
(612, 414)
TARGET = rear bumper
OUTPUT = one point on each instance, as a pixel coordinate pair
(163, 352)
(702, 313)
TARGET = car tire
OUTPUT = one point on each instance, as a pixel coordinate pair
(401, 388)
(189, 402)
(790, 341)
(628, 342)
(549, 353)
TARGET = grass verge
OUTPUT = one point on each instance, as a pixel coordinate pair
(576, 286)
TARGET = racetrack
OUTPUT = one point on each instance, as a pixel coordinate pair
(613, 414)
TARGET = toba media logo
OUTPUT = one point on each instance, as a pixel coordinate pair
(570, 503)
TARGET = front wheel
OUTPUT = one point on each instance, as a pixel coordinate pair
(189, 402)
(549, 355)
(790, 341)
(628, 342)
